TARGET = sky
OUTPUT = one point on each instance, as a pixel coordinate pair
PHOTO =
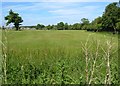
(46, 13)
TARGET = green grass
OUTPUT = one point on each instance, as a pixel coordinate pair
(57, 57)
(53, 38)
(0, 57)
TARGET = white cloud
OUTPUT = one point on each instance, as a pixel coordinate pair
(69, 16)
(35, 6)
(64, 11)
(56, 12)
(75, 11)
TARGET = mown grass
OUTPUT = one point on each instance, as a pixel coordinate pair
(58, 57)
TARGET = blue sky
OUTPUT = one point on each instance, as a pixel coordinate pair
(54, 12)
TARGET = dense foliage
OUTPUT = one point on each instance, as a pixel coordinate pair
(14, 18)
(110, 17)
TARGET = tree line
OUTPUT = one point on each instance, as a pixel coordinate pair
(109, 21)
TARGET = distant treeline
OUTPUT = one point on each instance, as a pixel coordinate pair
(109, 21)
(28, 26)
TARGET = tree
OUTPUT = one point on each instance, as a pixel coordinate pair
(39, 26)
(49, 27)
(96, 24)
(85, 23)
(66, 26)
(70, 27)
(54, 27)
(118, 26)
(97, 20)
(76, 26)
(60, 26)
(14, 18)
(85, 27)
(110, 16)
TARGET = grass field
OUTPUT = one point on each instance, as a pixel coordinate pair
(61, 57)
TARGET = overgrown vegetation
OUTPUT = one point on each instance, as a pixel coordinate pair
(70, 57)
(62, 53)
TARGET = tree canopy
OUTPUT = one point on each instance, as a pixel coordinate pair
(60, 26)
(110, 17)
(14, 18)
(39, 26)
